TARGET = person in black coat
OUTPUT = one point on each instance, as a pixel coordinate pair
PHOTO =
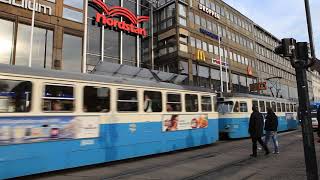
(256, 131)
(271, 127)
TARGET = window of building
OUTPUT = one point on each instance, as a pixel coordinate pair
(198, 43)
(96, 99)
(72, 15)
(203, 22)
(71, 53)
(192, 41)
(182, 21)
(127, 101)
(173, 102)
(243, 106)
(152, 101)
(210, 48)
(191, 103)
(130, 46)
(209, 25)
(6, 39)
(74, 3)
(214, 27)
(15, 96)
(182, 10)
(197, 19)
(262, 106)
(204, 46)
(191, 17)
(206, 104)
(41, 49)
(58, 98)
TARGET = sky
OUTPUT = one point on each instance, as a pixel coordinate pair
(282, 18)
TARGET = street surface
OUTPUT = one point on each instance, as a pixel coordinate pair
(222, 160)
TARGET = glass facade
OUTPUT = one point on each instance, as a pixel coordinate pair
(6, 39)
(72, 53)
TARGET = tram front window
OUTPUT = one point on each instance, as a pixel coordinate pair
(225, 107)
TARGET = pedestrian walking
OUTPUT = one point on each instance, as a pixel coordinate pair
(271, 128)
(318, 119)
(256, 131)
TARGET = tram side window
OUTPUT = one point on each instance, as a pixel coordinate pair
(96, 99)
(173, 102)
(268, 105)
(58, 98)
(127, 101)
(295, 108)
(191, 103)
(262, 106)
(291, 108)
(206, 104)
(255, 104)
(243, 106)
(273, 106)
(236, 107)
(278, 107)
(15, 96)
(152, 101)
(287, 108)
(283, 106)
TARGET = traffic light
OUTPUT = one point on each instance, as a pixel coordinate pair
(287, 48)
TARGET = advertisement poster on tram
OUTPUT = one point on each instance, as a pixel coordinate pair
(17, 130)
(184, 122)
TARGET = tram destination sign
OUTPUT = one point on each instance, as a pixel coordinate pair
(106, 15)
(28, 4)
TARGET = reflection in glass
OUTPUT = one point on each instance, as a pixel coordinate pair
(72, 53)
(74, 3)
(41, 48)
(72, 15)
(6, 39)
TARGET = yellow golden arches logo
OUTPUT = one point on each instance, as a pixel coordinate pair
(201, 55)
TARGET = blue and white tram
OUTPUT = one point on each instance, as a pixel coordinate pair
(51, 120)
(234, 113)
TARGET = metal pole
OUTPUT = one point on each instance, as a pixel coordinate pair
(85, 36)
(31, 36)
(225, 65)
(151, 37)
(220, 58)
(309, 23)
(307, 131)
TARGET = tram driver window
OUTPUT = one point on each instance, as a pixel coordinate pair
(152, 101)
(243, 107)
(173, 103)
(236, 107)
(96, 99)
(58, 99)
(15, 96)
(127, 101)
(191, 103)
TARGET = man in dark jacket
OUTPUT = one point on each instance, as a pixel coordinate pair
(256, 131)
(271, 127)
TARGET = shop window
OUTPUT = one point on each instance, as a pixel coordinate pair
(41, 49)
(96, 99)
(15, 96)
(191, 103)
(206, 104)
(152, 101)
(127, 101)
(6, 39)
(58, 98)
(72, 53)
(173, 103)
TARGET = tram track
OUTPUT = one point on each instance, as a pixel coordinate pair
(204, 155)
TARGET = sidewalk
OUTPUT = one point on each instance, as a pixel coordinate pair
(223, 160)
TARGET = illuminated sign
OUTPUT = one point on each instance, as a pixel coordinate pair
(28, 4)
(210, 34)
(209, 11)
(201, 56)
(107, 14)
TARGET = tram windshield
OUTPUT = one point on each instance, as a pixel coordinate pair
(225, 106)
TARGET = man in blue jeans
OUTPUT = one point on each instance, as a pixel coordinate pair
(271, 128)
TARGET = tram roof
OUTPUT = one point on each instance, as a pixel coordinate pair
(255, 96)
(23, 70)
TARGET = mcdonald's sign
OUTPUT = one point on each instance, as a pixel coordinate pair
(201, 55)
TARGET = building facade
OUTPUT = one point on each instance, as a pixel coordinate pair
(212, 43)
